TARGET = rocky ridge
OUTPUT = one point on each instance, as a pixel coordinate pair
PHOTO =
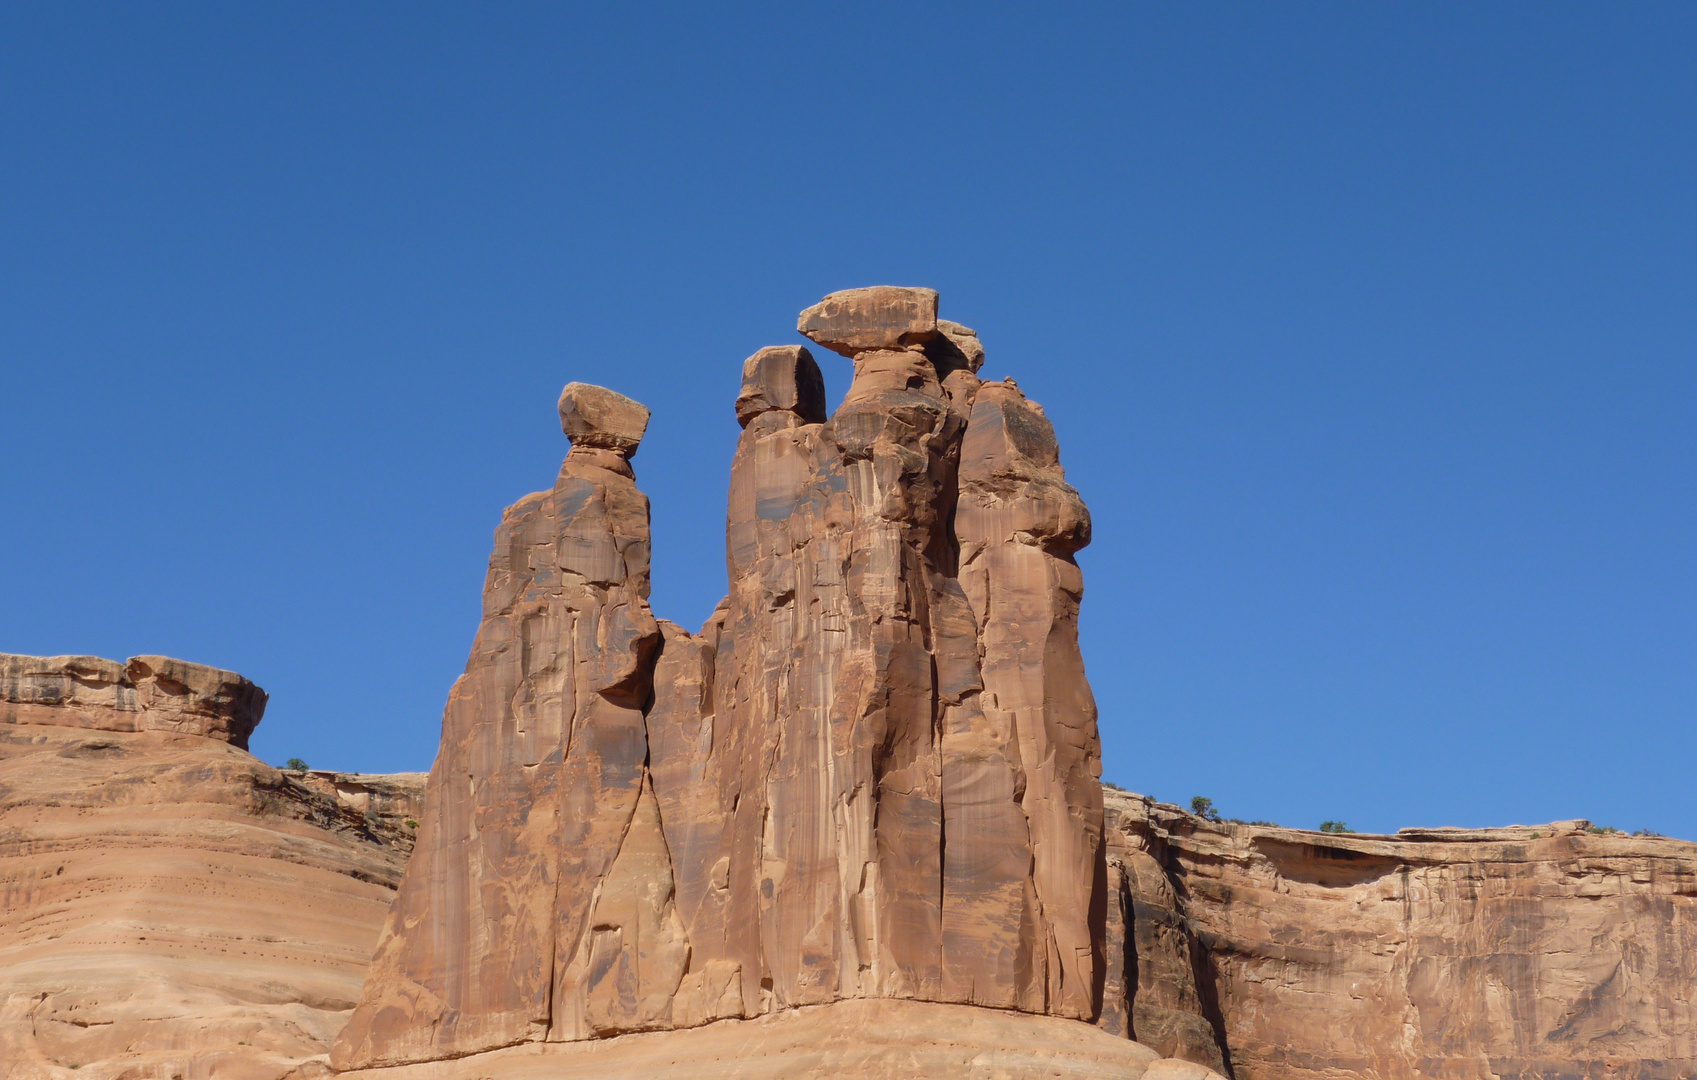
(852, 828)
(1530, 951)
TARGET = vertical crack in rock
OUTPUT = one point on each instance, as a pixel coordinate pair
(871, 774)
(489, 942)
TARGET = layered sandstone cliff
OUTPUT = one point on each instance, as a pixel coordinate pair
(1544, 951)
(871, 776)
(173, 907)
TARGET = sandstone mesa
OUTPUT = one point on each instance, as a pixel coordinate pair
(853, 827)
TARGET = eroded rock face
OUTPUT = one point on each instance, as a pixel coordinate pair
(172, 906)
(872, 775)
(1543, 951)
(147, 693)
(538, 905)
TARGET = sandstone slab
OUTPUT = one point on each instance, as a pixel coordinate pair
(854, 321)
(147, 693)
(847, 1040)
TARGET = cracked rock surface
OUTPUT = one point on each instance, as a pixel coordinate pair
(1529, 951)
(871, 776)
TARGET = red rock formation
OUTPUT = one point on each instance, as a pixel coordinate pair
(149, 693)
(871, 775)
(172, 906)
(539, 902)
(1539, 951)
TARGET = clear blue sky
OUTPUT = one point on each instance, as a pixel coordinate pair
(1370, 333)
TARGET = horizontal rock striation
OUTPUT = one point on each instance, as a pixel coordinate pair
(170, 906)
(1545, 951)
(872, 774)
(147, 693)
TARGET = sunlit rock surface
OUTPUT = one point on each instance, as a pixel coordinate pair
(1546, 951)
(174, 907)
(872, 775)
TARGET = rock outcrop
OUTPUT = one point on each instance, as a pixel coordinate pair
(147, 693)
(1544, 951)
(871, 776)
(173, 907)
(391, 804)
(851, 829)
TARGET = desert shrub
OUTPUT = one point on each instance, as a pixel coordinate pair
(1335, 827)
(1203, 807)
(295, 764)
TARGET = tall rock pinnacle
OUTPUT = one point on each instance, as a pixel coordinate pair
(871, 775)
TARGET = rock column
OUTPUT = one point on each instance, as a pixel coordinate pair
(872, 774)
(538, 903)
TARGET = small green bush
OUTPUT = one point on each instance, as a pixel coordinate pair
(1335, 827)
(1111, 786)
(295, 764)
(411, 824)
(1645, 832)
(1203, 807)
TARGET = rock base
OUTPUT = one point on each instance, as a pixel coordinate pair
(847, 1040)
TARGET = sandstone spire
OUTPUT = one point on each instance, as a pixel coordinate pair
(537, 905)
(871, 775)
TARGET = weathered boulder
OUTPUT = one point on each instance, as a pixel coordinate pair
(956, 346)
(782, 378)
(881, 317)
(595, 417)
(148, 693)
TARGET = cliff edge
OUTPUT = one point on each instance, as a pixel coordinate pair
(174, 907)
